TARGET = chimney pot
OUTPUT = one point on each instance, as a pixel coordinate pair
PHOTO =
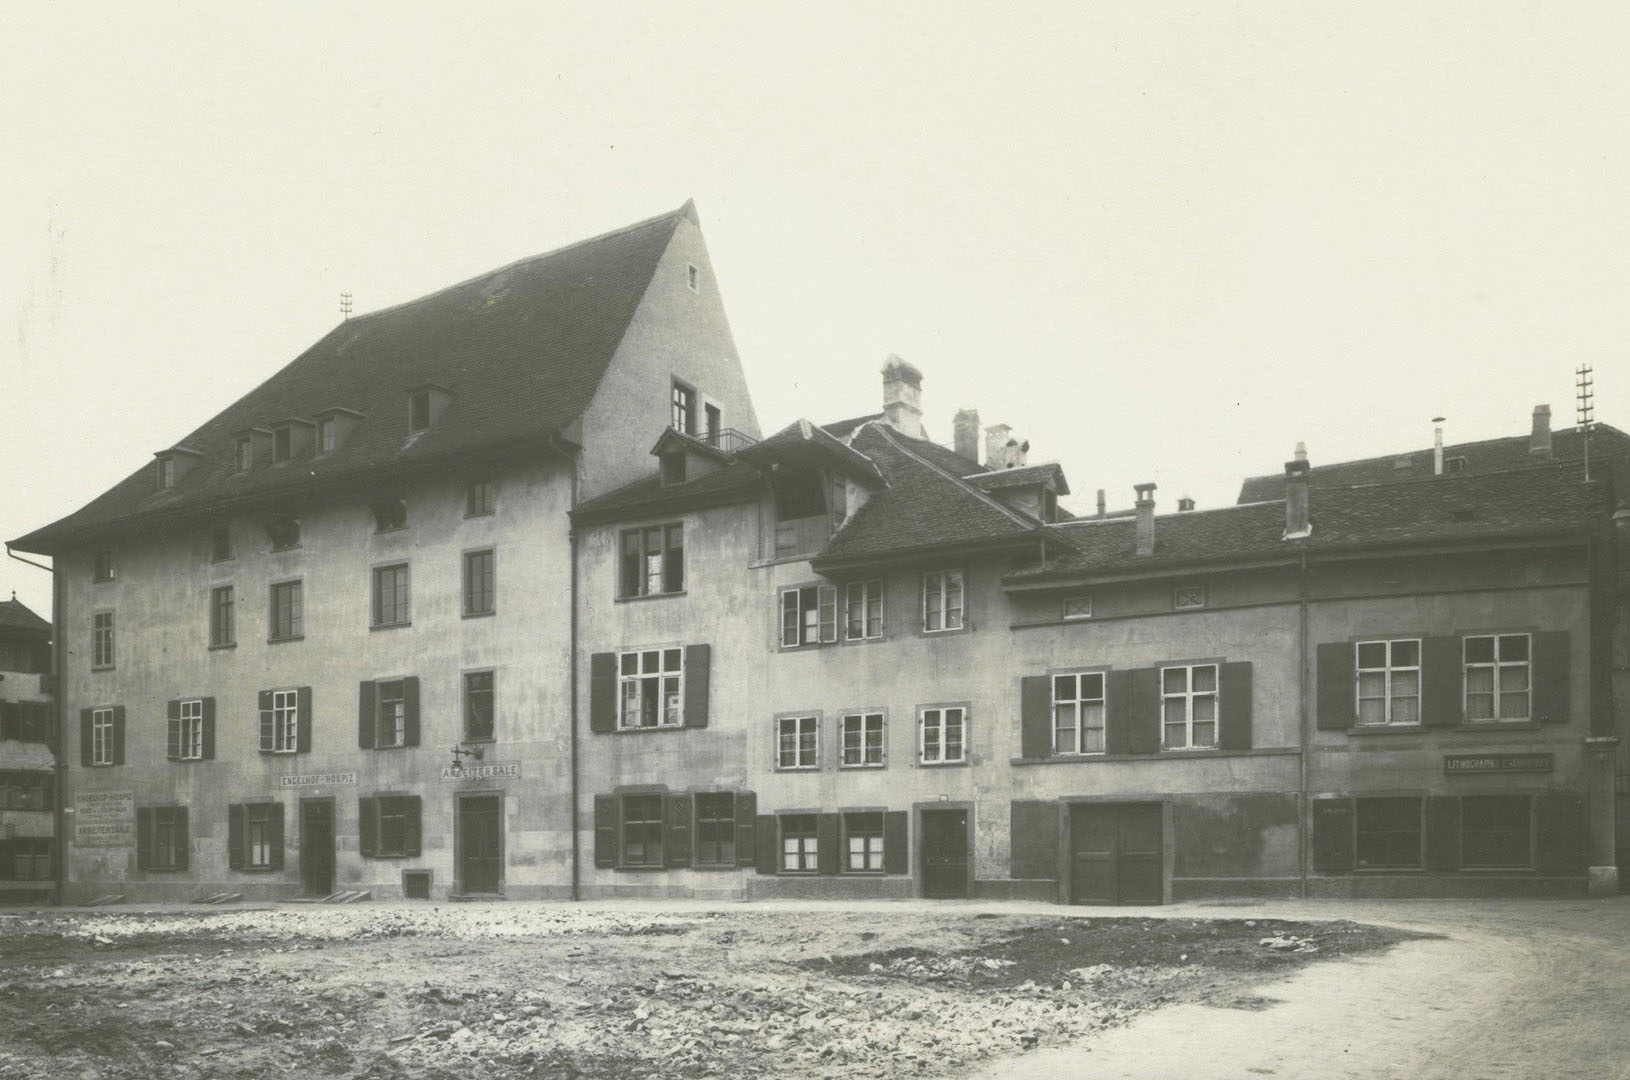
(1143, 533)
(1101, 504)
(1437, 446)
(965, 434)
(1539, 443)
(1185, 504)
(1297, 522)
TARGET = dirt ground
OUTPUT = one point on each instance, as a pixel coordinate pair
(454, 991)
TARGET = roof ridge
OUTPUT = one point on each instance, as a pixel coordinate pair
(1018, 518)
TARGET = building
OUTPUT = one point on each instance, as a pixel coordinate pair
(503, 592)
(27, 763)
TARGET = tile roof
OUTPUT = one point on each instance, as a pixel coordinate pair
(845, 428)
(523, 348)
(15, 615)
(996, 479)
(736, 482)
(804, 442)
(1473, 507)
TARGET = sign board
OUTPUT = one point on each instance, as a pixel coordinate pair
(322, 779)
(1455, 764)
(497, 770)
(104, 819)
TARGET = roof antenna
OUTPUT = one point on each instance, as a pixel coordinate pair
(345, 305)
(1585, 387)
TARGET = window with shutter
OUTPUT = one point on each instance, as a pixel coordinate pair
(809, 615)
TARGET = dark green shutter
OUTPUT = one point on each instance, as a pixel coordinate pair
(1559, 833)
(1035, 719)
(413, 830)
(172, 730)
(367, 704)
(676, 841)
(209, 729)
(265, 721)
(303, 739)
(368, 825)
(698, 661)
(144, 838)
(897, 842)
(1333, 834)
(1118, 712)
(410, 711)
(1143, 712)
(1234, 687)
(1442, 703)
(1443, 833)
(276, 832)
(603, 693)
(768, 844)
(827, 856)
(183, 838)
(85, 738)
(606, 828)
(234, 836)
(1551, 701)
(1033, 839)
(1338, 694)
(10, 720)
(746, 828)
(118, 734)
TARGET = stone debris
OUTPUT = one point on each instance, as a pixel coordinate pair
(1290, 943)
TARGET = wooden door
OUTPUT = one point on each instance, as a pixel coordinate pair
(317, 846)
(1116, 853)
(945, 853)
(480, 843)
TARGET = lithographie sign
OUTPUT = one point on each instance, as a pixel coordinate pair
(1498, 763)
(105, 819)
(321, 779)
(496, 770)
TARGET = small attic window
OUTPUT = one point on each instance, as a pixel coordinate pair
(389, 515)
(282, 443)
(326, 435)
(693, 277)
(243, 454)
(673, 468)
(1463, 515)
(166, 472)
(284, 533)
(1403, 463)
(419, 410)
(1454, 465)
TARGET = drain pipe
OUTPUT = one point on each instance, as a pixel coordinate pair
(59, 764)
(571, 546)
(1306, 709)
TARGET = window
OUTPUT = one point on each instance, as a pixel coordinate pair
(862, 741)
(653, 561)
(390, 714)
(864, 833)
(220, 544)
(1388, 832)
(480, 582)
(642, 830)
(673, 468)
(286, 620)
(651, 688)
(798, 843)
(326, 435)
(419, 410)
(481, 498)
(191, 731)
(161, 841)
(480, 695)
(1186, 597)
(102, 640)
(1389, 682)
(280, 723)
(284, 532)
(1189, 707)
(222, 625)
(714, 420)
(243, 454)
(102, 566)
(942, 601)
(102, 737)
(693, 277)
(282, 443)
(1078, 713)
(389, 826)
(31, 859)
(23, 790)
(1496, 831)
(26, 721)
(263, 835)
(716, 829)
(943, 736)
(797, 742)
(391, 595)
(389, 515)
(809, 615)
(684, 409)
(1497, 678)
(863, 610)
(1078, 607)
(166, 472)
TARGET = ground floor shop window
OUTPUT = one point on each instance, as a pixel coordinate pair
(28, 859)
(161, 837)
(1496, 831)
(1388, 833)
(389, 825)
(255, 836)
(864, 836)
(716, 829)
(798, 843)
(642, 830)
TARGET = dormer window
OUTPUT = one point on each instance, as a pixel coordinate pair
(419, 411)
(426, 403)
(325, 435)
(684, 409)
(673, 468)
(174, 464)
(282, 444)
(390, 515)
(243, 453)
(166, 472)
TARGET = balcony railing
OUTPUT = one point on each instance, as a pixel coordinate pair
(727, 439)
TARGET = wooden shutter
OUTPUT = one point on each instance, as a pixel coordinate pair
(410, 711)
(183, 838)
(368, 825)
(1559, 833)
(1337, 691)
(234, 836)
(118, 734)
(1117, 702)
(897, 842)
(746, 828)
(276, 831)
(606, 828)
(1442, 702)
(413, 830)
(1442, 833)
(367, 706)
(768, 844)
(85, 738)
(1141, 708)
(1550, 703)
(10, 719)
(698, 665)
(603, 695)
(144, 838)
(1035, 718)
(1033, 839)
(1234, 689)
(209, 729)
(302, 742)
(676, 813)
(265, 721)
(1333, 834)
(827, 856)
(826, 600)
(172, 730)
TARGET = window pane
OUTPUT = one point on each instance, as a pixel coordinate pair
(1479, 680)
(1406, 654)
(1479, 650)
(1514, 706)
(1479, 706)
(1205, 678)
(1406, 683)
(1372, 684)
(1372, 655)
(1175, 680)
(1372, 711)
(1063, 688)
(1514, 678)
(1514, 647)
(1092, 686)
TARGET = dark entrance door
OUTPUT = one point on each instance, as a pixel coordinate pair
(317, 846)
(480, 843)
(1115, 855)
(945, 853)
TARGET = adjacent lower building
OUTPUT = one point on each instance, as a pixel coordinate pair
(28, 773)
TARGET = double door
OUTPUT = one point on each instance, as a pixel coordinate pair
(1116, 853)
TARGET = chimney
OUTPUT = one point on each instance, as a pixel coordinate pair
(1144, 532)
(1297, 522)
(1101, 504)
(996, 440)
(1437, 446)
(965, 434)
(1017, 454)
(1539, 443)
(902, 397)
(1185, 504)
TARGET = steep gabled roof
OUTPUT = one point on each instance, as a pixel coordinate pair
(802, 442)
(522, 348)
(737, 482)
(15, 616)
(842, 429)
(997, 479)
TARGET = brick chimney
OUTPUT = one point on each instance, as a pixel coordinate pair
(902, 397)
(1539, 443)
(965, 434)
(1144, 532)
(997, 436)
(1297, 522)
(1101, 504)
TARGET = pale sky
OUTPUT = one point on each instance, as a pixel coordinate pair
(1163, 241)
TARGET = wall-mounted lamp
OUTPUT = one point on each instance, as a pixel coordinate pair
(459, 753)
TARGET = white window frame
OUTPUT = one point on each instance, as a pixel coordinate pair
(390, 714)
(285, 721)
(871, 754)
(1388, 670)
(1188, 598)
(724, 824)
(1189, 696)
(1082, 607)
(800, 852)
(867, 596)
(243, 454)
(659, 671)
(815, 624)
(869, 852)
(166, 472)
(804, 729)
(257, 822)
(1076, 707)
(1496, 668)
(192, 729)
(937, 584)
(295, 590)
(327, 435)
(102, 643)
(939, 720)
(101, 736)
(401, 595)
